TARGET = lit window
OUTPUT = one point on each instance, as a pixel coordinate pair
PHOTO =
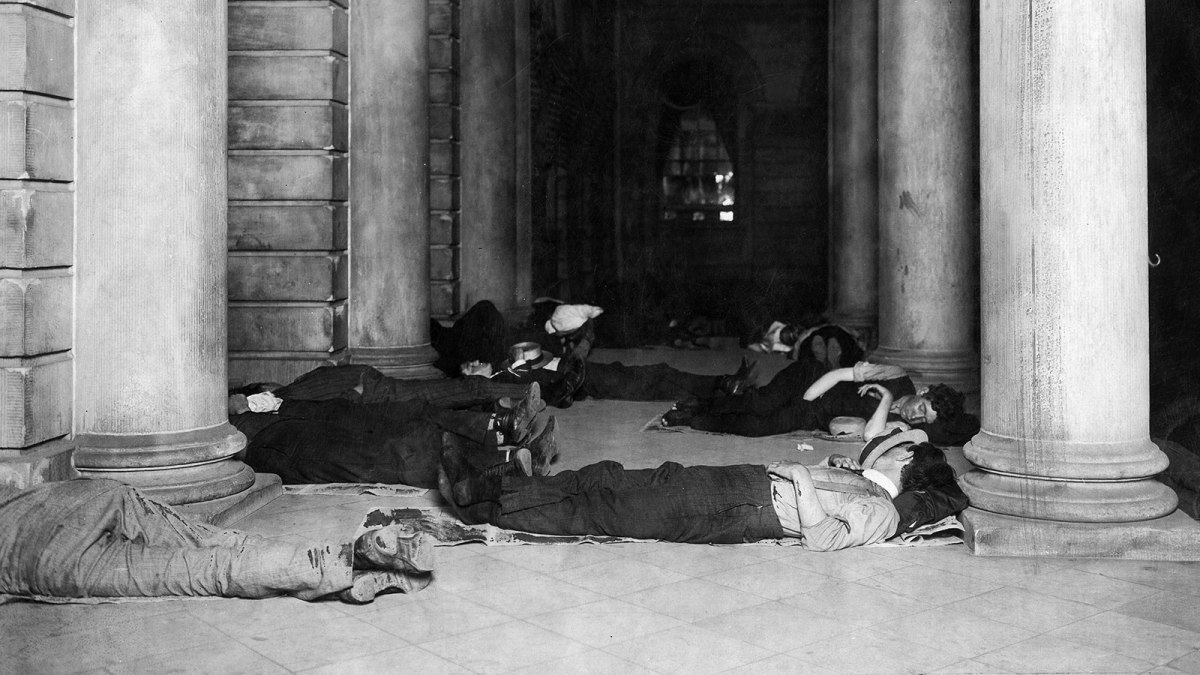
(698, 171)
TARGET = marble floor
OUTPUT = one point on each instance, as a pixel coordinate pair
(648, 607)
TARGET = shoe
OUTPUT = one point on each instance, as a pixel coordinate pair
(519, 463)
(516, 422)
(572, 370)
(544, 448)
(740, 381)
(395, 547)
(370, 583)
(677, 418)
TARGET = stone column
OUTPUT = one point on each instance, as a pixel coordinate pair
(151, 221)
(853, 164)
(1065, 342)
(389, 196)
(928, 232)
(489, 248)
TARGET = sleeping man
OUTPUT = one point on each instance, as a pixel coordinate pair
(899, 482)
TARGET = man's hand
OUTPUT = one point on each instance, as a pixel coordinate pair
(844, 462)
(877, 391)
(788, 470)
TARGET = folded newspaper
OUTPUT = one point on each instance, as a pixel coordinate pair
(945, 531)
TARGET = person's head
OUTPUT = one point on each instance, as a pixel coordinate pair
(939, 402)
(908, 459)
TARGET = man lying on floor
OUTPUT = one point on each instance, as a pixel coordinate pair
(100, 538)
(806, 396)
(901, 481)
(346, 441)
(478, 339)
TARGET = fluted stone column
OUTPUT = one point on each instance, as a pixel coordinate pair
(389, 196)
(489, 247)
(927, 217)
(1065, 312)
(853, 164)
(151, 224)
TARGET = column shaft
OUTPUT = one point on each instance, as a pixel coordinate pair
(928, 232)
(853, 163)
(1065, 328)
(389, 196)
(151, 204)
(489, 247)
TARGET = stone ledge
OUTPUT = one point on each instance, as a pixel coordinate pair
(227, 510)
(1173, 537)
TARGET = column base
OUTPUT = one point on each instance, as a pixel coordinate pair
(1074, 501)
(1172, 537)
(405, 363)
(225, 511)
(43, 463)
(958, 369)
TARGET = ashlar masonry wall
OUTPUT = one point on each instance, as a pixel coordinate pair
(288, 185)
(37, 221)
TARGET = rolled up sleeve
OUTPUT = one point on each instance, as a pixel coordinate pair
(864, 521)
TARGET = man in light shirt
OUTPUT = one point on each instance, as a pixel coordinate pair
(837, 505)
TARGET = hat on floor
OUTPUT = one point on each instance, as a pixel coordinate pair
(847, 426)
(875, 448)
(567, 318)
(527, 355)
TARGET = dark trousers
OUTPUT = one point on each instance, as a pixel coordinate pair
(340, 441)
(368, 385)
(695, 504)
(657, 382)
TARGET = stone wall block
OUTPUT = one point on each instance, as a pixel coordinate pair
(39, 51)
(287, 27)
(36, 138)
(42, 463)
(443, 263)
(443, 52)
(443, 18)
(443, 88)
(278, 367)
(273, 76)
(35, 313)
(63, 7)
(255, 226)
(287, 276)
(286, 327)
(444, 193)
(443, 157)
(443, 229)
(281, 175)
(35, 400)
(443, 298)
(36, 225)
(443, 121)
(288, 126)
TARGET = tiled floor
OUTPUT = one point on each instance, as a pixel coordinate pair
(649, 607)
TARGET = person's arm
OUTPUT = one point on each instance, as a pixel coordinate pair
(859, 522)
(807, 504)
(878, 421)
(827, 382)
